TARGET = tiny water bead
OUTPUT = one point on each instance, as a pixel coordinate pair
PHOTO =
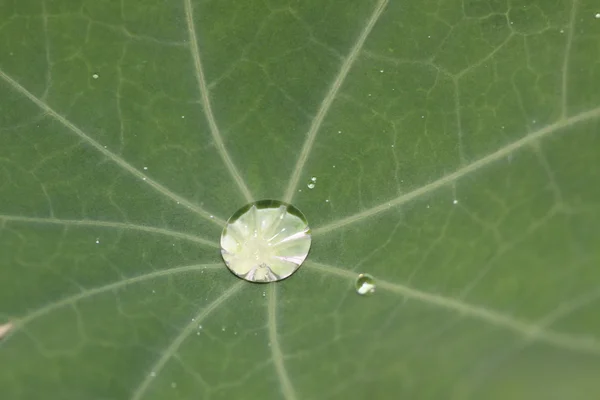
(265, 241)
(365, 284)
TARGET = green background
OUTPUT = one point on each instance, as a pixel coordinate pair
(457, 154)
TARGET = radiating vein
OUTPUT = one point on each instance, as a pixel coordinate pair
(528, 330)
(109, 154)
(482, 162)
(212, 123)
(173, 347)
(328, 100)
(565, 66)
(19, 323)
(109, 224)
(287, 389)
(5, 328)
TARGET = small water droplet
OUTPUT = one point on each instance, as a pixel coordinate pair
(597, 15)
(144, 178)
(381, 71)
(314, 179)
(339, 131)
(223, 328)
(311, 185)
(562, 31)
(365, 284)
(455, 201)
(198, 333)
(145, 168)
(264, 294)
(95, 76)
(235, 333)
(97, 241)
(277, 250)
(153, 291)
(422, 116)
(326, 200)
(199, 326)
(183, 116)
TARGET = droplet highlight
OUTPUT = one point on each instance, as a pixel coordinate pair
(365, 284)
(265, 241)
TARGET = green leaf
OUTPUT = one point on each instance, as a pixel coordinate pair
(457, 154)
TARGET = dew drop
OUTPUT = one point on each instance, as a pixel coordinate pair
(455, 201)
(365, 284)
(97, 241)
(265, 241)
(597, 15)
(223, 328)
(314, 179)
(95, 76)
(145, 168)
(199, 326)
(311, 185)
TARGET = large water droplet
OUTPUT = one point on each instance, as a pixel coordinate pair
(265, 241)
(365, 284)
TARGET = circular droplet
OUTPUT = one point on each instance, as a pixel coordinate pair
(95, 76)
(311, 185)
(265, 241)
(365, 284)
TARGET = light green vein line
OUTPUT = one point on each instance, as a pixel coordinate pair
(19, 323)
(328, 100)
(482, 162)
(565, 67)
(172, 349)
(108, 224)
(287, 389)
(530, 331)
(212, 123)
(108, 154)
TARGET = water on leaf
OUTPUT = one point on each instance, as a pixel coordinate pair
(365, 284)
(265, 241)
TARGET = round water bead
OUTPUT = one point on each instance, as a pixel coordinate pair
(265, 241)
(365, 284)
